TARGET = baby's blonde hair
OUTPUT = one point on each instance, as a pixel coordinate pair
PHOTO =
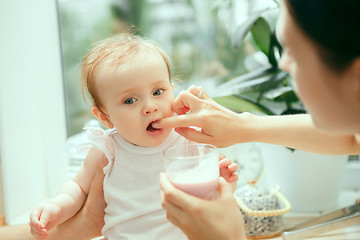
(118, 50)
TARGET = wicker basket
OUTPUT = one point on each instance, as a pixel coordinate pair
(262, 210)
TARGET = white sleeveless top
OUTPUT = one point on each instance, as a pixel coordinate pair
(131, 187)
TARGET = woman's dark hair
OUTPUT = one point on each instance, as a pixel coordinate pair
(333, 25)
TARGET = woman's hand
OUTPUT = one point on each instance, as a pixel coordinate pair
(219, 126)
(202, 219)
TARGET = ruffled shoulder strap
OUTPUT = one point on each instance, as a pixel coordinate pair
(102, 140)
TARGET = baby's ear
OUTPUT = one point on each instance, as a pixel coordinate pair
(102, 117)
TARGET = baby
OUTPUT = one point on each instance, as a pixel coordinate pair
(128, 80)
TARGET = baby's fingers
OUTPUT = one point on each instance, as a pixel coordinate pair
(34, 218)
(39, 233)
(37, 230)
(228, 165)
(233, 178)
(233, 167)
(224, 162)
(45, 218)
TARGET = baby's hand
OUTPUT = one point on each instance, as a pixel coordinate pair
(228, 169)
(43, 218)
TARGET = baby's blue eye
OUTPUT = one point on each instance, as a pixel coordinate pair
(158, 92)
(130, 101)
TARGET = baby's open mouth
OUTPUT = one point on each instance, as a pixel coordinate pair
(150, 128)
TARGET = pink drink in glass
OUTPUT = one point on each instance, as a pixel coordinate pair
(194, 168)
(205, 190)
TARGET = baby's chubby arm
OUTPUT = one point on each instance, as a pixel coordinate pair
(58, 209)
(68, 201)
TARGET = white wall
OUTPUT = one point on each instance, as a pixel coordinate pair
(32, 115)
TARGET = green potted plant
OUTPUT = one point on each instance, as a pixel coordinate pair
(266, 89)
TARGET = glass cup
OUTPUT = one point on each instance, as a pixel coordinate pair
(194, 169)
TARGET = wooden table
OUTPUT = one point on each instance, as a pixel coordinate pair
(349, 233)
(347, 198)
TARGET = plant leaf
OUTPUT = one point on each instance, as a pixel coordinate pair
(239, 104)
(269, 80)
(244, 28)
(261, 33)
(228, 87)
(274, 47)
(276, 93)
(274, 82)
(293, 111)
(288, 96)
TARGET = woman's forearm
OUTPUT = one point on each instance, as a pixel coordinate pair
(222, 128)
(298, 132)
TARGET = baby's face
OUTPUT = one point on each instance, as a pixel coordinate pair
(135, 95)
